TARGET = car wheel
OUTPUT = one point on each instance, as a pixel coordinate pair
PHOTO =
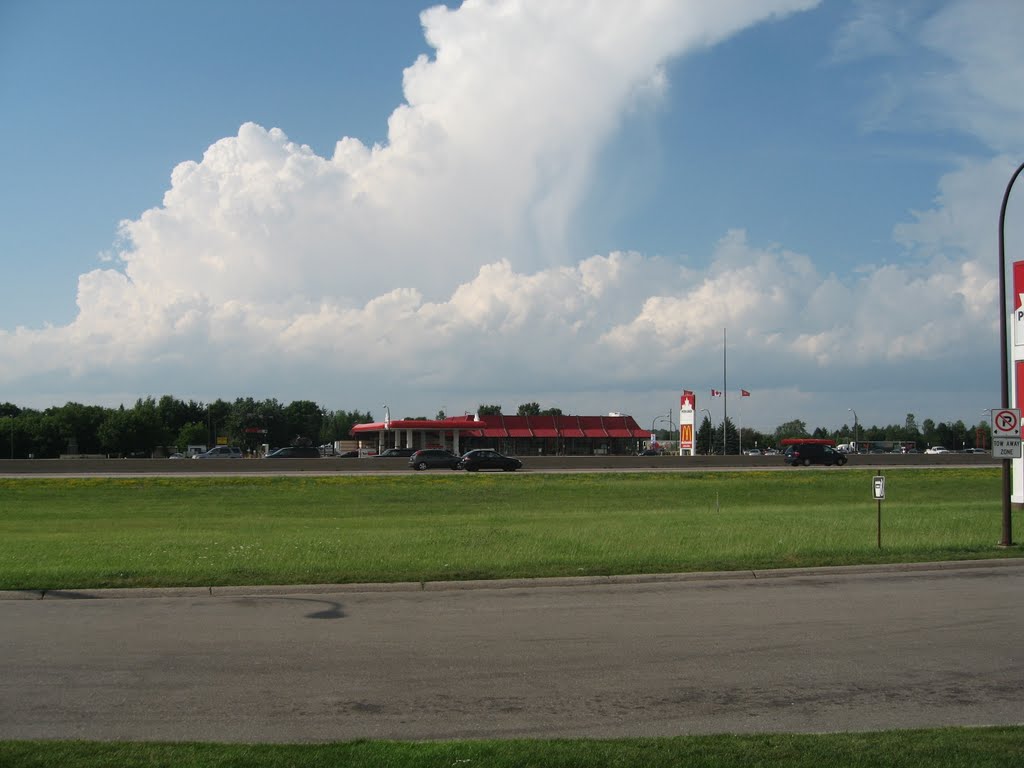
(421, 466)
(807, 462)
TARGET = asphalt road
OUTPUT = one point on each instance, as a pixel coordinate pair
(337, 466)
(805, 651)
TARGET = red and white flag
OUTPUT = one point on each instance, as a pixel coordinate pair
(716, 393)
(744, 393)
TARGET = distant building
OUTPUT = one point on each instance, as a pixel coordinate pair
(516, 435)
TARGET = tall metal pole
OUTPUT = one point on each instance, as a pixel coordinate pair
(725, 398)
(1004, 364)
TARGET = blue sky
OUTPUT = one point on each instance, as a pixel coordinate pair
(565, 207)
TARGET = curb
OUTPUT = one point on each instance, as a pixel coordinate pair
(539, 583)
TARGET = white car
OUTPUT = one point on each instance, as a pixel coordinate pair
(936, 449)
(221, 452)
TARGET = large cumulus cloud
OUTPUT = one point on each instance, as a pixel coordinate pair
(439, 258)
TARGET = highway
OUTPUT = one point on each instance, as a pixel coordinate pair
(332, 466)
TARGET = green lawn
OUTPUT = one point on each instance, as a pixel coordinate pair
(79, 533)
(937, 748)
(215, 531)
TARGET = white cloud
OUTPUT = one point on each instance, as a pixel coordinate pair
(437, 263)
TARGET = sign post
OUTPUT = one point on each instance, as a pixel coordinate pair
(878, 492)
(1004, 361)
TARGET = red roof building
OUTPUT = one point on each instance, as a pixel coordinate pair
(522, 435)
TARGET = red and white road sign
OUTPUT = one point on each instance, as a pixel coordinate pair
(1005, 422)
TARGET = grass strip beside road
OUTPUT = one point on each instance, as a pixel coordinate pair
(210, 531)
(934, 748)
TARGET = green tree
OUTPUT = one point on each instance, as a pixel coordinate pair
(338, 424)
(193, 433)
(38, 434)
(725, 430)
(489, 410)
(117, 432)
(218, 414)
(304, 418)
(79, 426)
(794, 428)
(705, 439)
(529, 409)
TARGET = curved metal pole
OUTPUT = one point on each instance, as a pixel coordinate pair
(1004, 364)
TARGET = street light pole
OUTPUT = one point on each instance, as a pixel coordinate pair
(855, 437)
(1004, 365)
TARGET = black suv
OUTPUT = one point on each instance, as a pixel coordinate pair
(805, 454)
(433, 458)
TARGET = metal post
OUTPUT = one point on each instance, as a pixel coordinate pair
(725, 396)
(879, 523)
(1004, 365)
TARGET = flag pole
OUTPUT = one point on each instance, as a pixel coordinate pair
(725, 398)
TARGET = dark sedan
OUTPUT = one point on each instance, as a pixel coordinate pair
(484, 458)
(295, 452)
(433, 458)
(396, 453)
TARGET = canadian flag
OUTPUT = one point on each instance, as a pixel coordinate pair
(744, 393)
(716, 393)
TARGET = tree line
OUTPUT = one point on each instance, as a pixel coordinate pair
(954, 435)
(166, 425)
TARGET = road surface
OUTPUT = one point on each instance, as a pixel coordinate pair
(809, 652)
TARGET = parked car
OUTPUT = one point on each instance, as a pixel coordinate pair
(805, 454)
(295, 452)
(396, 453)
(650, 452)
(348, 455)
(221, 452)
(485, 458)
(753, 452)
(936, 449)
(433, 458)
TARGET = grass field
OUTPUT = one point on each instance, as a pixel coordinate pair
(938, 748)
(214, 531)
(81, 533)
